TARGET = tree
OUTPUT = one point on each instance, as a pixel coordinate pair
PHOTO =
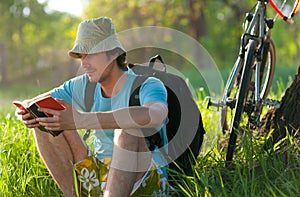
(3, 64)
(287, 117)
(186, 16)
(31, 35)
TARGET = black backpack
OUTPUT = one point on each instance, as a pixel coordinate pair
(185, 128)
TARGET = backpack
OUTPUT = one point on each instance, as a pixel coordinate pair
(185, 128)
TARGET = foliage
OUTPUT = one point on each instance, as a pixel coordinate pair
(31, 38)
(34, 39)
(217, 25)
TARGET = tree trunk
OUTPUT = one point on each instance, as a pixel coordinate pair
(196, 17)
(3, 64)
(287, 117)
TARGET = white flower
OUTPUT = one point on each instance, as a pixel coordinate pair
(88, 179)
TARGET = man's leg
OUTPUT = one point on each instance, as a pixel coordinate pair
(131, 159)
(59, 154)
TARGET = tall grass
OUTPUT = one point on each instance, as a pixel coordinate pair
(22, 172)
(255, 172)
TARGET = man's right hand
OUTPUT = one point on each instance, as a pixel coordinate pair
(27, 118)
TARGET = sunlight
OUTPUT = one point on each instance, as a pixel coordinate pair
(73, 7)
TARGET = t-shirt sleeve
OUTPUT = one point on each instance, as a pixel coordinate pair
(153, 90)
(72, 91)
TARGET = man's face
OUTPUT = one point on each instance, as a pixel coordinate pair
(97, 66)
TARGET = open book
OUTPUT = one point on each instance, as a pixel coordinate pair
(44, 102)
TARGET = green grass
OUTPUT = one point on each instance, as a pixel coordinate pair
(255, 172)
(22, 173)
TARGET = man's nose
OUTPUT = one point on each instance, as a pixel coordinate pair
(84, 64)
(83, 59)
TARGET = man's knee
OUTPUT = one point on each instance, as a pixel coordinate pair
(127, 139)
(42, 136)
(130, 151)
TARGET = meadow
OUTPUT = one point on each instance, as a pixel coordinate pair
(256, 172)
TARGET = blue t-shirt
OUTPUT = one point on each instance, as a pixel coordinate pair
(73, 92)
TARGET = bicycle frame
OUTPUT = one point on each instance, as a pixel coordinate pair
(256, 30)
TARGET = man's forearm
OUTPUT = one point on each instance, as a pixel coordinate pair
(124, 118)
(151, 115)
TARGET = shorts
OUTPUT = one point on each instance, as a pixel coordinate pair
(92, 177)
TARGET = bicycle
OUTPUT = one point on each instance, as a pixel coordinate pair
(250, 79)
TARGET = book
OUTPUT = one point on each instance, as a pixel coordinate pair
(44, 102)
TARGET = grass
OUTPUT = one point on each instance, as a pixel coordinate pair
(255, 172)
(22, 173)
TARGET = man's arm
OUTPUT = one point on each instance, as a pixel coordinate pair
(150, 115)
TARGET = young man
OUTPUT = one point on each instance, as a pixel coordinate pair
(121, 163)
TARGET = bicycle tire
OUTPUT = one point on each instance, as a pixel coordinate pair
(242, 92)
(271, 54)
(269, 62)
(228, 90)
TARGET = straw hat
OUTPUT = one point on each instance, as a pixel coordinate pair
(94, 36)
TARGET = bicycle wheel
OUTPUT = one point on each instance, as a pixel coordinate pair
(241, 97)
(230, 93)
(232, 85)
(267, 68)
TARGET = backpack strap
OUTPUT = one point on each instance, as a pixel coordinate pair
(134, 100)
(89, 101)
(153, 60)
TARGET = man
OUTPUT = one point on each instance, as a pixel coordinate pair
(121, 163)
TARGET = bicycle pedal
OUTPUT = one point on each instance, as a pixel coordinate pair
(213, 102)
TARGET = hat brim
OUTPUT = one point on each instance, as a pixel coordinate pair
(92, 46)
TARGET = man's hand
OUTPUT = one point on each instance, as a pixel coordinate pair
(27, 118)
(61, 119)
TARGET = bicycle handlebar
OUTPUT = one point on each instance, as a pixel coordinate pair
(288, 19)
